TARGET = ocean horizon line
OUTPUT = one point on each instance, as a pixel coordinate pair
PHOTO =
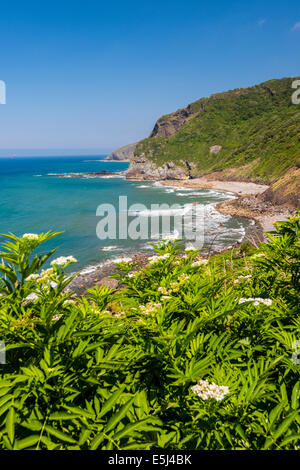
(48, 153)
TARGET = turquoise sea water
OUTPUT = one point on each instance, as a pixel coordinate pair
(35, 199)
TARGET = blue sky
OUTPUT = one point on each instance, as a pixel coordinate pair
(96, 75)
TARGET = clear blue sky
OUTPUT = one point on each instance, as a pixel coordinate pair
(97, 74)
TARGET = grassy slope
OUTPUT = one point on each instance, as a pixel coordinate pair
(258, 127)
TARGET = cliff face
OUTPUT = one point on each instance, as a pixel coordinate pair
(123, 153)
(250, 134)
(143, 169)
(166, 126)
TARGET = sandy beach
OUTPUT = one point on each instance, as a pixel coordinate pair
(240, 188)
(246, 205)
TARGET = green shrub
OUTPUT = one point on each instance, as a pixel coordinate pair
(189, 354)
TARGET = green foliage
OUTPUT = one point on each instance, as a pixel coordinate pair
(117, 369)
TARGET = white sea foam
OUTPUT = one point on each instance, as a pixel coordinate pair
(163, 212)
(193, 193)
(92, 269)
(89, 270)
(166, 236)
(111, 176)
(110, 248)
(169, 190)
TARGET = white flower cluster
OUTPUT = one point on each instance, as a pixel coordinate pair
(183, 278)
(174, 286)
(157, 259)
(149, 307)
(164, 290)
(190, 248)
(32, 297)
(258, 255)
(240, 278)
(120, 314)
(179, 260)
(63, 260)
(30, 236)
(257, 301)
(32, 277)
(45, 278)
(200, 262)
(56, 317)
(134, 274)
(206, 390)
(123, 260)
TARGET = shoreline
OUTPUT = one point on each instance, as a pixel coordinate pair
(97, 275)
(236, 187)
(246, 204)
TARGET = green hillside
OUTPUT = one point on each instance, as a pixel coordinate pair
(258, 127)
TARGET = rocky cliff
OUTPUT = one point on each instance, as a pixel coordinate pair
(123, 153)
(142, 168)
(250, 134)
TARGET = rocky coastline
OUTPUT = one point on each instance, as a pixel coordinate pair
(248, 203)
(95, 174)
(100, 274)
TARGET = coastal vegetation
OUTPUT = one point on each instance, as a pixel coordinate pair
(189, 353)
(255, 126)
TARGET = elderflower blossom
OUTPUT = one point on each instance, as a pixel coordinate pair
(149, 307)
(32, 277)
(206, 390)
(190, 248)
(177, 261)
(257, 301)
(164, 290)
(166, 297)
(258, 255)
(182, 278)
(30, 236)
(120, 314)
(32, 297)
(134, 274)
(63, 260)
(56, 317)
(200, 262)
(175, 286)
(157, 259)
(240, 278)
(122, 260)
(45, 275)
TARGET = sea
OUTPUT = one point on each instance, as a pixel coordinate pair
(35, 199)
